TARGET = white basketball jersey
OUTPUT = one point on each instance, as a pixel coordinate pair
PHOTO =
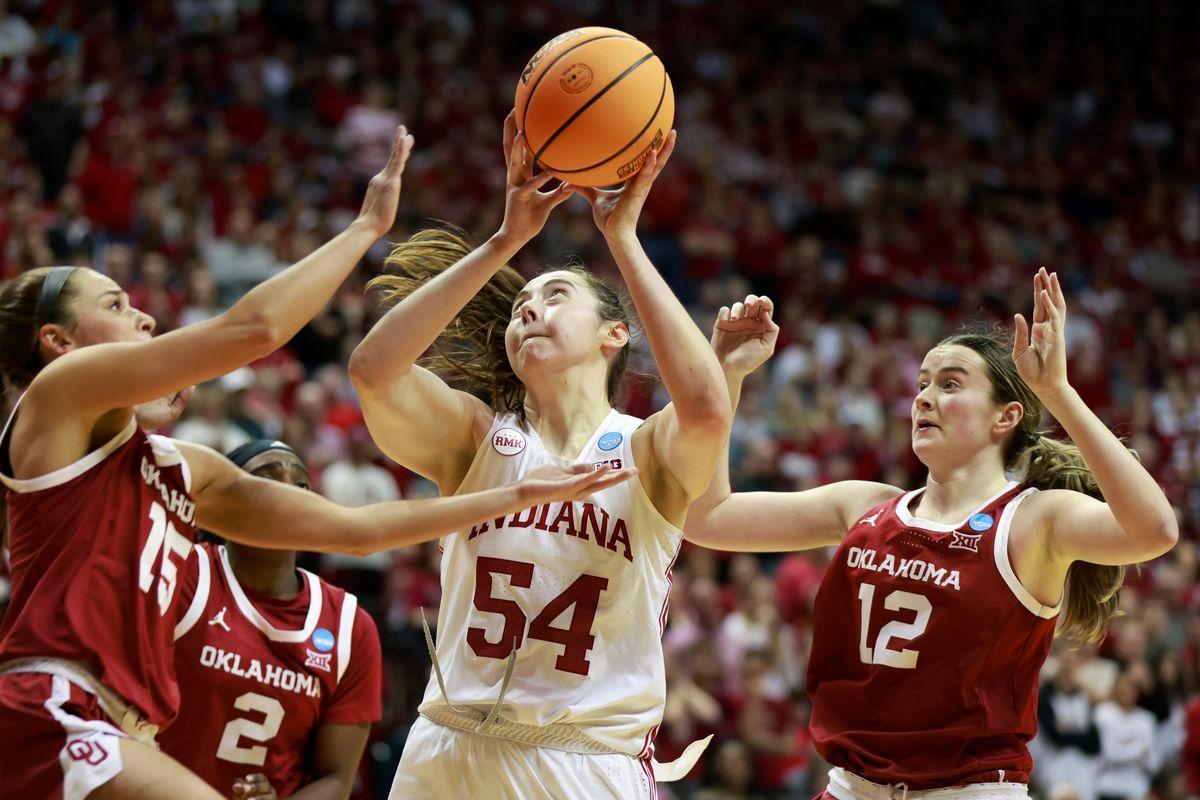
(580, 588)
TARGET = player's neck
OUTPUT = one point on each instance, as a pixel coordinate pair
(565, 416)
(269, 572)
(949, 496)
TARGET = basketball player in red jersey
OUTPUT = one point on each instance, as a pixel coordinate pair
(101, 515)
(938, 607)
(280, 671)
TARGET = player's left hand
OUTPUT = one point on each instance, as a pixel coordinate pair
(379, 206)
(744, 335)
(1041, 353)
(163, 411)
(616, 211)
(254, 787)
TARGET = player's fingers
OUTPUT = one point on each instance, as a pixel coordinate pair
(401, 147)
(535, 183)
(664, 154)
(752, 305)
(516, 157)
(738, 310)
(766, 304)
(510, 131)
(1020, 335)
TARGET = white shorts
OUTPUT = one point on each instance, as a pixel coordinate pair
(441, 762)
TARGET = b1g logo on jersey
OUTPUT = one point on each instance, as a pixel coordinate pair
(610, 441)
(322, 639)
(508, 441)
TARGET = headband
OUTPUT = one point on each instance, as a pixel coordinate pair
(243, 453)
(52, 287)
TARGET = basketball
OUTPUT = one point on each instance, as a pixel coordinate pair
(592, 102)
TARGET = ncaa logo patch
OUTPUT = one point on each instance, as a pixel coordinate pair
(318, 660)
(981, 522)
(508, 441)
(610, 441)
(322, 639)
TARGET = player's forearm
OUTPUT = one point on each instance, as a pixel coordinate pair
(407, 330)
(1134, 498)
(685, 360)
(704, 525)
(386, 526)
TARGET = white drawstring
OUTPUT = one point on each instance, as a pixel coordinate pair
(490, 718)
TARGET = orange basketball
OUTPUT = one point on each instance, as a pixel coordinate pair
(592, 102)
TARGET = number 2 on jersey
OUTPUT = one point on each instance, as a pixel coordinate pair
(896, 601)
(576, 639)
(231, 749)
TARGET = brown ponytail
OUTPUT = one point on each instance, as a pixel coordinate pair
(1092, 592)
(470, 353)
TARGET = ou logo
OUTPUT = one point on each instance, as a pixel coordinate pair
(90, 752)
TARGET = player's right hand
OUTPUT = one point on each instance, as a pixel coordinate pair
(550, 482)
(526, 207)
(744, 335)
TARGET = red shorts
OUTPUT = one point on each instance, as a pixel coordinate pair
(55, 741)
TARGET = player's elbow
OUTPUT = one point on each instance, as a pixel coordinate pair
(708, 411)
(368, 370)
(1162, 537)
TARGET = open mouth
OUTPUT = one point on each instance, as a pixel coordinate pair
(926, 426)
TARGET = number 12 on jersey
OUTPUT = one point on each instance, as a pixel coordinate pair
(576, 639)
(896, 601)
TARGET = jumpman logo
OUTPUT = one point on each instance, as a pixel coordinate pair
(219, 619)
(871, 519)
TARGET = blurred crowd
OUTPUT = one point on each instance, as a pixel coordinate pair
(888, 171)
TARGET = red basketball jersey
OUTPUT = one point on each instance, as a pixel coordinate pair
(260, 674)
(927, 648)
(96, 550)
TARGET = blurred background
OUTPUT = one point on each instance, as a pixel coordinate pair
(887, 171)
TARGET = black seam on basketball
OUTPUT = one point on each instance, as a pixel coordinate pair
(590, 102)
(546, 69)
(662, 96)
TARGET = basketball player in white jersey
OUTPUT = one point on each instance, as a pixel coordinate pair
(549, 679)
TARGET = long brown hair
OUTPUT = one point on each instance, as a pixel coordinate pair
(1092, 590)
(470, 353)
(20, 355)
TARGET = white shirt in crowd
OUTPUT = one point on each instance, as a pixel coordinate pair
(1128, 756)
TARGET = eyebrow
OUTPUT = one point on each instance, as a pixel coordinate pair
(524, 293)
(959, 370)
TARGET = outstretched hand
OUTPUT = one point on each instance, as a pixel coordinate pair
(383, 192)
(616, 211)
(1040, 353)
(575, 482)
(744, 335)
(526, 207)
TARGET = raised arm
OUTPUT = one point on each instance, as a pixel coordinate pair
(90, 381)
(686, 436)
(264, 513)
(1135, 522)
(743, 339)
(398, 396)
